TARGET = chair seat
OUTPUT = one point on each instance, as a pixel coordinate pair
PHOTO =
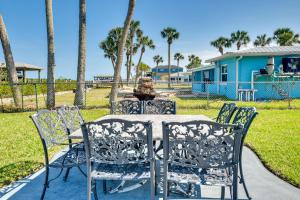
(72, 158)
(121, 172)
(201, 176)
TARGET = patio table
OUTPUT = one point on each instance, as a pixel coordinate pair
(155, 119)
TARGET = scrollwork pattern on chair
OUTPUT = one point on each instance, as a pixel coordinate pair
(71, 117)
(116, 141)
(126, 107)
(244, 116)
(226, 113)
(201, 144)
(160, 106)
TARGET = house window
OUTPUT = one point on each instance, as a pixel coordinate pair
(224, 73)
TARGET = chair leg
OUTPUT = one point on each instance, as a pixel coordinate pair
(235, 183)
(95, 190)
(152, 180)
(165, 183)
(104, 187)
(67, 174)
(46, 184)
(222, 192)
(242, 180)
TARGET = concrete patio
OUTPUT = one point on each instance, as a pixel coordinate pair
(261, 184)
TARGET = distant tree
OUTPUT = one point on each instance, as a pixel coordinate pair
(286, 37)
(121, 44)
(51, 60)
(170, 34)
(262, 40)
(110, 45)
(131, 47)
(3, 72)
(143, 41)
(195, 62)
(178, 57)
(240, 38)
(80, 86)
(157, 59)
(221, 43)
(143, 68)
(10, 64)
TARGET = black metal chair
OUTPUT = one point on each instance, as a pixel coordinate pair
(126, 107)
(53, 132)
(201, 152)
(119, 150)
(72, 117)
(226, 113)
(244, 116)
(159, 106)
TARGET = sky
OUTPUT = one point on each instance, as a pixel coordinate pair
(197, 21)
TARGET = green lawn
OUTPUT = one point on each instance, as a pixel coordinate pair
(275, 136)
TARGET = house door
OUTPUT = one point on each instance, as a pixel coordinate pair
(205, 80)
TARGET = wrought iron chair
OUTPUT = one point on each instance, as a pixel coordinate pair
(159, 106)
(53, 132)
(119, 150)
(244, 116)
(226, 113)
(201, 152)
(71, 116)
(126, 107)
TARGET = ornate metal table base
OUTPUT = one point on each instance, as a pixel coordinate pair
(120, 188)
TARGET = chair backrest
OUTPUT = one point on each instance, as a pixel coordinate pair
(71, 117)
(226, 113)
(245, 116)
(116, 141)
(126, 107)
(201, 144)
(50, 127)
(160, 106)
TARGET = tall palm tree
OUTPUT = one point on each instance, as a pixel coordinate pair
(157, 59)
(221, 43)
(178, 57)
(10, 64)
(134, 30)
(121, 44)
(286, 37)
(79, 95)
(143, 41)
(262, 40)
(240, 38)
(170, 34)
(51, 61)
(110, 45)
(194, 60)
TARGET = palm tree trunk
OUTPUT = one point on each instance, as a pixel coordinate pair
(169, 65)
(138, 68)
(117, 71)
(128, 68)
(177, 71)
(10, 64)
(51, 61)
(79, 95)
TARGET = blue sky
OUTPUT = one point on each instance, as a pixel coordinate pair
(198, 21)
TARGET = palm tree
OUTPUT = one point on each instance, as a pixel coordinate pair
(171, 34)
(240, 38)
(143, 41)
(110, 45)
(221, 43)
(157, 59)
(79, 95)
(121, 44)
(51, 61)
(10, 64)
(144, 68)
(134, 30)
(178, 57)
(286, 37)
(262, 40)
(194, 60)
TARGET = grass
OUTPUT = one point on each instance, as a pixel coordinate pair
(274, 136)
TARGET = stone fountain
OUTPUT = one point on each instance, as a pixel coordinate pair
(145, 89)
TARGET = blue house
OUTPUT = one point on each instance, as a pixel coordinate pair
(161, 72)
(252, 74)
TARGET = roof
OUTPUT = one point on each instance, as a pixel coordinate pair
(203, 67)
(23, 66)
(165, 67)
(260, 51)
